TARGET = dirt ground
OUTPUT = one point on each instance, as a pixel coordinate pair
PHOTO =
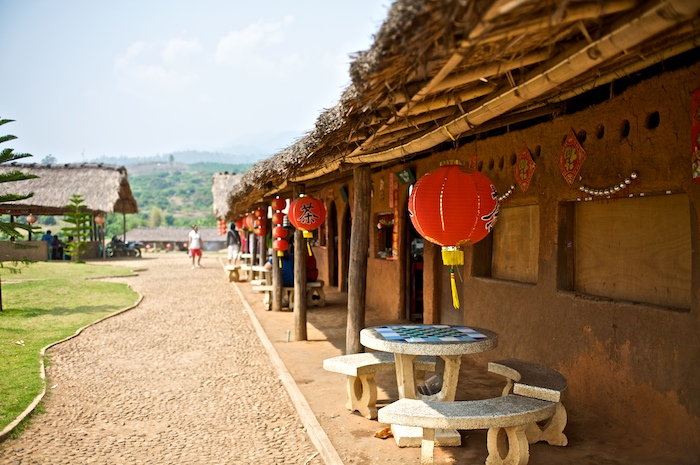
(592, 439)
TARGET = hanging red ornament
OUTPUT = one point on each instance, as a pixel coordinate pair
(260, 222)
(239, 224)
(278, 232)
(453, 206)
(222, 227)
(260, 213)
(260, 231)
(278, 204)
(280, 245)
(277, 218)
(307, 213)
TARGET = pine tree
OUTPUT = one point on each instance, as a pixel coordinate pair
(80, 231)
(12, 229)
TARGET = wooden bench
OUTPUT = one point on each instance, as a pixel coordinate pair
(540, 382)
(315, 296)
(360, 383)
(505, 418)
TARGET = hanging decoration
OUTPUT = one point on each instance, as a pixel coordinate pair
(695, 132)
(453, 206)
(524, 169)
(506, 194)
(222, 227)
(249, 222)
(571, 157)
(612, 190)
(279, 233)
(394, 193)
(260, 222)
(307, 213)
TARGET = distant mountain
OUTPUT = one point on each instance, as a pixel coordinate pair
(187, 157)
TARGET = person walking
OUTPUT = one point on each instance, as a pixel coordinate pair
(195, 245)
(233, 241)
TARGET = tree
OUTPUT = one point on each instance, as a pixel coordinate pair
(80, 229)
(11, 229)
(156, 217)
(48, 159)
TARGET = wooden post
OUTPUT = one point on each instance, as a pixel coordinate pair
(299, 279)
(359, 245)
(276, 284)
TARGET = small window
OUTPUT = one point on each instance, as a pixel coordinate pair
(385, 236)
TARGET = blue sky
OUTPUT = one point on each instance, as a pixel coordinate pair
(88, 78)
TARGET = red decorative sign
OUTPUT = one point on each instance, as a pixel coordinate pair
(695, 131)
(524, 169)
(394, 200)
(571, 157)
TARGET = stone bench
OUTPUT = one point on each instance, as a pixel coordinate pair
(505, 418)
(315, 296)
(233, 272)
(360, 370)
(540, 382)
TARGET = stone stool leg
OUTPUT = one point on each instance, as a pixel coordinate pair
(233, 275)
(507, 446)
(427, 448)
(362, 395)
(552, 431)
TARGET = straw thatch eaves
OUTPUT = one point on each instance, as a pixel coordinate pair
(442, 70)
(105, 188)
(222, 185)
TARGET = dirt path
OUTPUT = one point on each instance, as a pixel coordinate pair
(182, 378)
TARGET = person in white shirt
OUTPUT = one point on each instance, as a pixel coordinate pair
(195, 245)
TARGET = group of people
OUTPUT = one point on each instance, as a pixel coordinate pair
(234, 244)
(57, 248)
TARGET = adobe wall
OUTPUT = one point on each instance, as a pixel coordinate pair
(631, 363)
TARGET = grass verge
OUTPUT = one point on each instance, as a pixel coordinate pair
(43, 304)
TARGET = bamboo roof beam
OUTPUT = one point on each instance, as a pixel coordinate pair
(570, 64)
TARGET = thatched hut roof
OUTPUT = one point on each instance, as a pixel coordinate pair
(222, 186)
(105, 188)
(444, 70)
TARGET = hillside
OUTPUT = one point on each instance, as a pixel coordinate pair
(172, 194)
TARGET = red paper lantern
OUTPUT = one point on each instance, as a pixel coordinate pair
(277, 218)
(278, 204)
(239, 224)
(453, 206)
(260, 222)
(280, 245)
(260, 231)
(250, 221)
(278, 232)
(260, 213)
(307, 213)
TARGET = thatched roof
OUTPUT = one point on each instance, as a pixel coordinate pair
(105, 188)
(173, 234)
(443, 70)
(222, 186)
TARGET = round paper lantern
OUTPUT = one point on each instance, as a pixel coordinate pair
(239, 224)
(250, 221)
(278, 218)
(307, 213)
(260, 222)
(31, 219)
(278, 232)
(260, 213)
(278, 204)
(453, 206)
(260, 231)
(280, 245)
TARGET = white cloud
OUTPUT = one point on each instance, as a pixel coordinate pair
(177, 48)
(257, 35)
(132, 52)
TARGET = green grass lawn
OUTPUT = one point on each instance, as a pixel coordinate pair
(47, 302)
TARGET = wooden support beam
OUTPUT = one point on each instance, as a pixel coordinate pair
(299, 278)
(276, 284)
(359, 244)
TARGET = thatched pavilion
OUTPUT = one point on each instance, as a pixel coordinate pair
(222, 186)
(104, 188)
(600, 283)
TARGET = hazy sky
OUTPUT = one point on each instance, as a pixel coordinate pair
(87, 78)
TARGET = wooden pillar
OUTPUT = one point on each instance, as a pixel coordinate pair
(262, 250)
(359, 245)
(299, 279)
(276, 284)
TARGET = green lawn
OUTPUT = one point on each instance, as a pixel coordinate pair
(47, 302)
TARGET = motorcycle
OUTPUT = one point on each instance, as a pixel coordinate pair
(119, 248)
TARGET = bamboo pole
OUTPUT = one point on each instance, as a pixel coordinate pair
(299, 279)
(359, 244)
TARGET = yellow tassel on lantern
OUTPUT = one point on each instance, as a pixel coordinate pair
(308, 247)
(452, 256)
(455, 295)
(307, 234)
